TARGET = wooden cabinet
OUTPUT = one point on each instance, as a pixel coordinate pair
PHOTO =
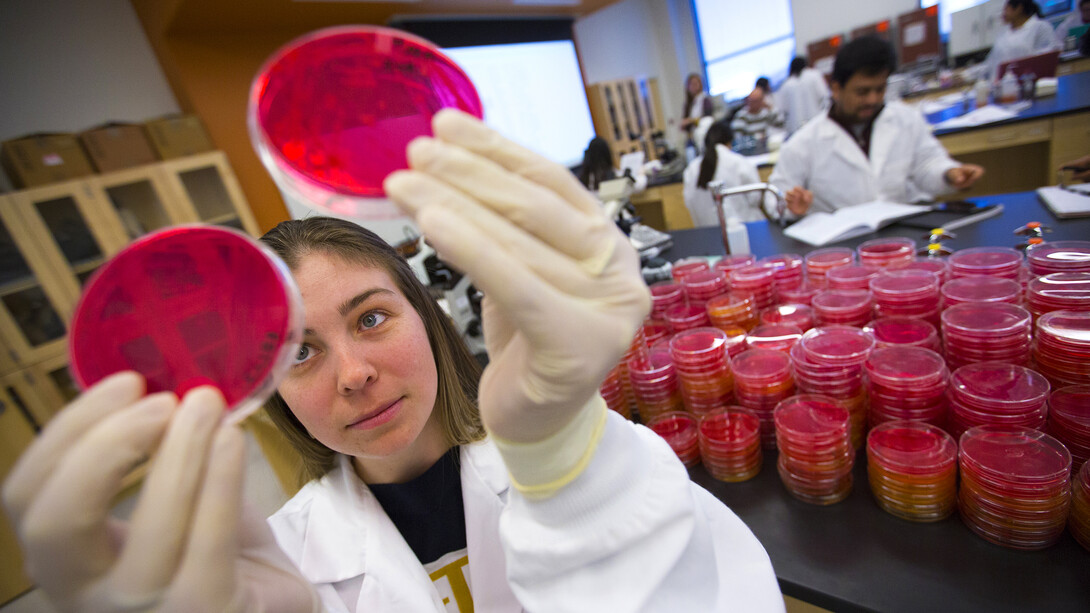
(208, 191)
(16, 433)
(1070, 141)
(626, 112)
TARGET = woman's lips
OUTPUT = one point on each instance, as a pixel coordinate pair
(377, 418)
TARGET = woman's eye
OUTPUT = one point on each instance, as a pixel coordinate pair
(371, 319)
(302, 355)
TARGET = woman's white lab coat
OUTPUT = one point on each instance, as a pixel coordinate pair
(631, 533)
(802, 97)
(904, 158)
(1034, 37)
(733, 170)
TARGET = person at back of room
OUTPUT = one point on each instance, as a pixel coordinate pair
(756, 118)
(864, 149)
(1078, 17)
(803, 95)
(720, 164)
(1024, 34)
(598, 167)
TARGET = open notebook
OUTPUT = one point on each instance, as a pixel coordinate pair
(819, 228)
(1073, 201)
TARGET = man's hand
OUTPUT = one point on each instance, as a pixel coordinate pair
(799, 200)
(1081, 168)
(964, 176)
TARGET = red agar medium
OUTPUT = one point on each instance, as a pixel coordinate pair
(332, 112)
(190, 306)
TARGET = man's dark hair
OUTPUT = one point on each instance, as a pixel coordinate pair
(764, 84)
(1029, 8)
(799, 63)
(868, 55)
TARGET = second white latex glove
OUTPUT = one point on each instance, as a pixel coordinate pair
(563, 290)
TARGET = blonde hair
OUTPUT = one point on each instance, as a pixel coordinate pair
(458, 371)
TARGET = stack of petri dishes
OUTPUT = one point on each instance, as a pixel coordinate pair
(882, 252)
(788, 270)
(703, 368)
(687, 266)
(981, 288)
(802, 294)
(686, 317)
(986, 331)
(654, 382)
(821, 261)
(733, 311)
(758, 280)
(799, 315)
(847, 307)
(703, 285)
(729, 263)
(992, 261)
(730, 444)
(613, 393)
(829, 361)
(1015, 486)
(854, 276)
(1069, 421)
(1059, 291)
(1062, 349)
(1078, 522)
(654, 331)
(762, 380)
(906, 331)
(934, 265)
(679, 429)
(906, 293)
(1059, 256)
(906, 384)
(912, 468)
(999, 394)
(778, 337)
(665, 295)
(816, 454)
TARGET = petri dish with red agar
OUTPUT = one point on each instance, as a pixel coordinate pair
(1059, 256)
(1078, 522)
(912, 470)
(909, 331)
(816, 453)
(1060, 291)
(191, 306)
(1069, 421)
(730, 444)
(331, 113)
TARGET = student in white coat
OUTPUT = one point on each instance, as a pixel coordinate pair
(531, 493)
(720, 163)
(1024, 34)
(1079, 17)
(864, 149)
(803, 95)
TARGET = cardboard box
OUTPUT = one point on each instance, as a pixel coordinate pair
(40, 159)
(178, 136)
(118, 145)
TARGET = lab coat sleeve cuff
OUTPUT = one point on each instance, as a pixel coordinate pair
(537, 470)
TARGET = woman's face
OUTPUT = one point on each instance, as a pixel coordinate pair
(1010, 13)
(364, 382)
(694, 85)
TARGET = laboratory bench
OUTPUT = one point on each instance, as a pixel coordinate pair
(853, 556)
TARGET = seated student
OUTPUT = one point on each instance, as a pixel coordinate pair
(598, 167)
(803, 95)
(521, 493)
(864, 149)
(720, 163)
(1024, 34)
(765, 86)
(1079, 17)
(756, 118)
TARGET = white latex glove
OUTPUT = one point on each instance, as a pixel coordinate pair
(189, 546)
(562, 285)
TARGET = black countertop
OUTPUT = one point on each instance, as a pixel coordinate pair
(1072, 96)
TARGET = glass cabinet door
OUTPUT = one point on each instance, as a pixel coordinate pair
(36, 298)
(208, 186)
(142, 201)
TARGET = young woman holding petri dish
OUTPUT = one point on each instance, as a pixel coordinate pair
(563, 505)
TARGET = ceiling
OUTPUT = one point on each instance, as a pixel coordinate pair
(205, 16)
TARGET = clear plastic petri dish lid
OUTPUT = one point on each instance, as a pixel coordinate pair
(1072, 403)
(984, 260)
(731, 424)
(881, 248)
(783, 261)
(934, 265)
(332, 112)
(799, 315)
(811, 417)
(912, 447)
(1014, 454)
(856, 275)
(900, 284)
(190, 306)
(836, 345)
(774, 336)
(905, 366)
(902, 331)
(698, 342)
(1059, 256)
(752, 275)
(829, 257)
(981, 288)
(761, 365)
(1070, 328)
(1000, 385)
(985, 319)
(842, 301)
(730, 262)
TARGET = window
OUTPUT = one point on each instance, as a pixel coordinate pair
(741, 40)
(946, 7)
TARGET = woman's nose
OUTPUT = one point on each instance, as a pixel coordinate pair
(354, 369)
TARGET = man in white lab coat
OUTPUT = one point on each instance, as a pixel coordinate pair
(863, 149)
(803, 95)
